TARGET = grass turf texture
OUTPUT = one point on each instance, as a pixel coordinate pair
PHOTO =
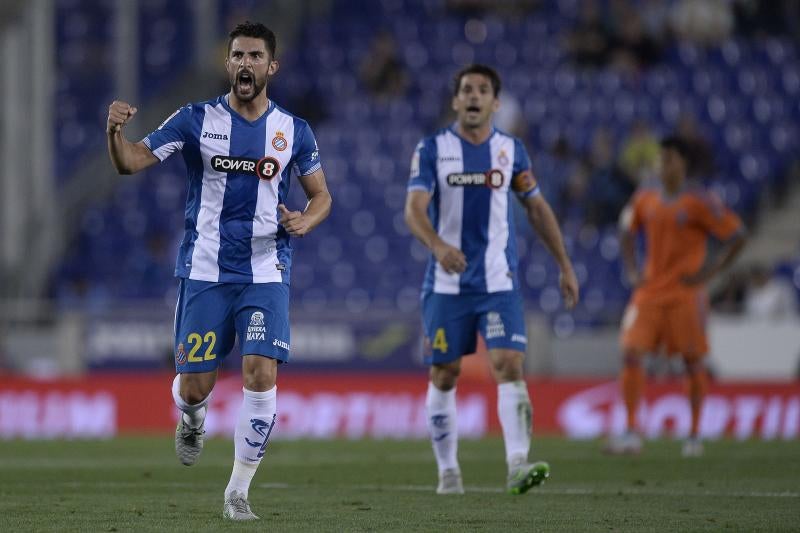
(137, 484)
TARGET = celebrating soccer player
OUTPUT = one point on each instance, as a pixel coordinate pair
(241, 151)
(669, 305)
(458, 206)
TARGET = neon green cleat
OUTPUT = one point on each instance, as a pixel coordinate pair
(523, 477)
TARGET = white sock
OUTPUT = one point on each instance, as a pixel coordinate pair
(193, 414)
(256, 420)
(515, 413)
(443, 426)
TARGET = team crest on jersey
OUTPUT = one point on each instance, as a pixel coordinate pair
(180, 355)
(279, 142)
(492, 178)
(502, 158)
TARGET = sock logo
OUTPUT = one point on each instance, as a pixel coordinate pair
(264, 429)
(439, 421)
(441, 437)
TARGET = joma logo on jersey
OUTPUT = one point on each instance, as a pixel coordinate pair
(492, 179)
(265, 168)
(217, 136)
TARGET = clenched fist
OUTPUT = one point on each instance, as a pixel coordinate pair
(119, 114)
(293, 222)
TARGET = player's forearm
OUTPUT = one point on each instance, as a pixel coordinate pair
(728, 255)
(544, 222)
(628, 252)
(420, 226)
(122, 153)
(318, 208)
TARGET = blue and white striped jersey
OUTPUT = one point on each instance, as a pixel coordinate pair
(239, 171)
(470, 206)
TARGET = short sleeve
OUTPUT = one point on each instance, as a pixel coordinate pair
(171, 134)
(423, 167)
(306, 153)
(710, 213)
(523, 182)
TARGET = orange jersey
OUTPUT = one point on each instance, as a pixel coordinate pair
(676, 233)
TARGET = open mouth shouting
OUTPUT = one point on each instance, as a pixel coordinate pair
(473, 109)
(245, 82)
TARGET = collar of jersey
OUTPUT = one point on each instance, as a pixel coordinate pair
(240, 118)
(452, 129)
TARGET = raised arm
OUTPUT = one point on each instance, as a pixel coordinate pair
(544, 222)
(127, 157)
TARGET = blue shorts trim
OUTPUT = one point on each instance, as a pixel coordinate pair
(209, 316)
(451, 323)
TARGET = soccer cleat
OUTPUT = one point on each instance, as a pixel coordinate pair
(450, 482)
(188, 442)
(629, 443)
(692, 447)
(523, 477)
(237, 508)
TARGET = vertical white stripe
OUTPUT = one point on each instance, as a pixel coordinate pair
(206, 247)
(265, 222)
(495, 261)
(450, 159)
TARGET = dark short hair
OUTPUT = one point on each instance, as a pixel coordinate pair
(483, 70)
(678, 144)
(256, 30)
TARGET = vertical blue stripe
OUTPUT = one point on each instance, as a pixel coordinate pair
(194, 168)
(433, 214)
(475, 224)
(511, 247)
(239, 203)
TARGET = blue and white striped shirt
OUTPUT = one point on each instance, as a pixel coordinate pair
(239, 171)
(470, 206)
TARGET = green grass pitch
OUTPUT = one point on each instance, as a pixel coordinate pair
(136, 484)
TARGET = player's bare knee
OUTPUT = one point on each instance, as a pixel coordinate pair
(259, 373)
(506, 365)
(444, 377)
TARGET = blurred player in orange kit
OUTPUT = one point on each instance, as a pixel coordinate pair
(669, 305)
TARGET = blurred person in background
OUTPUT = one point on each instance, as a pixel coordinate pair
(382, 71)
(241, 152)
(458, 206)
(769, 297)
(669, 305)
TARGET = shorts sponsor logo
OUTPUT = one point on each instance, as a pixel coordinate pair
(279, 141)
(494, 326)
(280, 344)
(256, 331)
(265, 168)
(516, 337)
(180, 355)
(492, 178)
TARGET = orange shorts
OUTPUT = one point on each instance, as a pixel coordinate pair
(676, 327)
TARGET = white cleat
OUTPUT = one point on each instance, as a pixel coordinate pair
(692, 447)
(450, 482)
(629, 443)
(237, 508)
